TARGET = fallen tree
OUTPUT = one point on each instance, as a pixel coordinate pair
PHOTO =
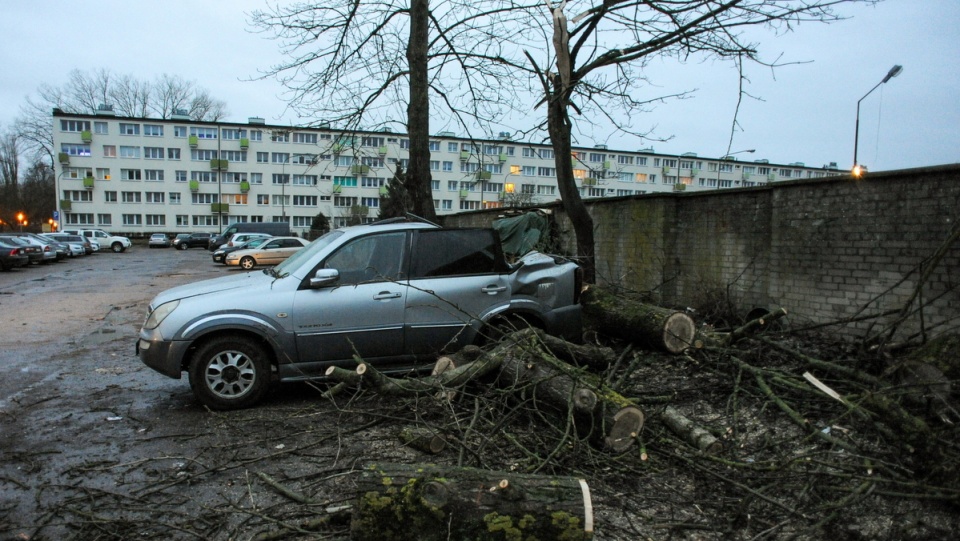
(643, 324)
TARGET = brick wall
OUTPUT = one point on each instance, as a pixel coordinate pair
(826, 250)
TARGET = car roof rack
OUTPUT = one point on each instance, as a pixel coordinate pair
(409, 217)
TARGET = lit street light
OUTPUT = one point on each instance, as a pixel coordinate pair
(894, 71)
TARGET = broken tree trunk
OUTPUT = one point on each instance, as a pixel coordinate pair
(423, 439)
(606, 418)
(432, 502)
(653, 326)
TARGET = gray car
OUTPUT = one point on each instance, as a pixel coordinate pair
(396, 294)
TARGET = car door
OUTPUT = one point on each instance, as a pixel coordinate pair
(457, 278)
(362, 313)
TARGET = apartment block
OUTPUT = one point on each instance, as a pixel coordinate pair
(144, 175)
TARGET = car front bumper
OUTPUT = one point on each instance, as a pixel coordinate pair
(164, 356)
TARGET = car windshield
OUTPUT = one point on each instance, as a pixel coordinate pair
(293, 262)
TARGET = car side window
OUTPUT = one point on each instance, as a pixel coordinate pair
(374, 258)
(457, 252)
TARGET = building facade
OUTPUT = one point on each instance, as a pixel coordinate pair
(144, 175)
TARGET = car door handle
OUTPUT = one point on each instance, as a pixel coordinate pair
(386, 295)
(493, 290)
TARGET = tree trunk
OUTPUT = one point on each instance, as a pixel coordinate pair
(432, 502)
(419, 178)
(691, 433)
(656, 327)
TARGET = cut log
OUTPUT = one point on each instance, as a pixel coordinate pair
(691, 433)
(431, 502)
(608, 419)
(423, 439)
(652, 326)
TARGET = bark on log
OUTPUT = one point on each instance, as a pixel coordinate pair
(694, 435)
(430, 502)
(423, 439)
(608, 419)
(653, 326)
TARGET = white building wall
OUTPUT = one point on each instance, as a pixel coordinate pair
(150, 175)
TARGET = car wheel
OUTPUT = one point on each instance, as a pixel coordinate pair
(497, 328)
(230, 372)
(248, 263)
(181, 246)
(116, 247)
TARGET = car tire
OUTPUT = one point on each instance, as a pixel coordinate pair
(116, 247)
(181, 246)
(229, 372)
(248, 263)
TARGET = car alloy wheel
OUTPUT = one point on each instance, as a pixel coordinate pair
(248, 263)
(229, 372)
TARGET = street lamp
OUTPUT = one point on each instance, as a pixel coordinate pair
(20, 220)
(894, 71)
(729, 157)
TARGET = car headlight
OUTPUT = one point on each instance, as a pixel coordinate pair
(155, 318)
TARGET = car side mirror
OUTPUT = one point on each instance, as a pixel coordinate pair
(325, 277)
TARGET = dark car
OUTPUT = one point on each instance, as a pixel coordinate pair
(220, 255)
(12, 256)
(193, 240)
(34, 251)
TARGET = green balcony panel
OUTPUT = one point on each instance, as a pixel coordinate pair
(503, 157)
(383, 150)
(64, 158)
(679, 187)
(383, 190)
(464, 194)
(484, 175)
(606, 164)
(222, 208)
(464, 155)
(193, 140)
(66, 205)
(88, 182)
(218, 165)
(359, 210)
(360, 169)
(194, 185)
(86, 136)
(244, 186)
(244, 143)
(337, 188)
(337, 148)
(589, 181)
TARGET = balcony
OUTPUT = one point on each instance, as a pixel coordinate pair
(483, 175)
(359, 169)
(244, 143)
(383, 191)
(88, 183)
(244, 186)
(337, 188)
(86, 136)
(193, 141)
(194, 185)
(219, 165)
(589, 181)
(337, 148)
(63, 158)
(464, 194)
(503, 158)
(680, 187)
(359, 210)
(382, 151)
(221, 208)
(66, 205)
(606, 164)
(464, 156)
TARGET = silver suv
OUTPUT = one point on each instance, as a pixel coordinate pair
(395, 294)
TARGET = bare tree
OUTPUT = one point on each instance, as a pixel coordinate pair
(130, 97)
(9, 158)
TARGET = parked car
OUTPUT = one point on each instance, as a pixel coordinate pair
(12, 256)
(73, 249)
(158, 240)
(220, 255)
(34, 253)
(277, 229)
(192, 240)
(272, 252)
(240, 238)
(47, 249)
(89, 246)
(116, 243)
(394, 294)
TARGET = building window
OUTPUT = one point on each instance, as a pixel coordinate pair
(305, 138)
(199, 155)
(280, 157)
(180, 175)
(75, 150)
(304, 200)
(233, 134)
(74, 125)
(153, 130)
(103, 173)
(101, 128)
(129, 129)
(130, 174)
(263, 199)
(153, 153)
(110, 196)
(129, 152)
(132, 219)
(204, 133)
(350, 182)
(304, 180)
(130, 197)
(263, 157)
(179, 131)
(156, 220)
(155, 175)
(173, 153)
(182, 220)
(376, 182)
(174, 198)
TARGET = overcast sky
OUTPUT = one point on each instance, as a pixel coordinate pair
(807, 113)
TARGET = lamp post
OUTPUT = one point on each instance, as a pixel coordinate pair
(20, 220)
(894, 71)
(726, 157)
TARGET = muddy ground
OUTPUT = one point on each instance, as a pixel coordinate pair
(96, 446)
